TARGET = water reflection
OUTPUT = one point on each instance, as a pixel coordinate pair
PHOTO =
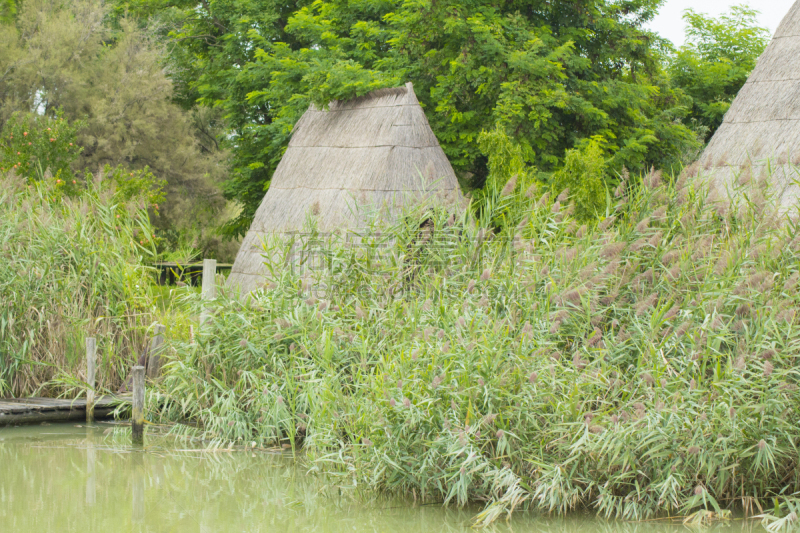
(91, 492)
(163, 487)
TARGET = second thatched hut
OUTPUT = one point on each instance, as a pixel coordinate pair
(760, 134)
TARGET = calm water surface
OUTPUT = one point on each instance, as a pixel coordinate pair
(65, 478)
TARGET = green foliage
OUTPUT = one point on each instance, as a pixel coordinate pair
(643, 366)
(38, 147)
(8, 8)
(72, 268)
(584, 175)
(716, 60)
(137, 184)
(549, 74)
(108, 73)
(33, 144)
(504, 159)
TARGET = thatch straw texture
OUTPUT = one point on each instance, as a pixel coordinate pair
(371, 154)
(761, 131)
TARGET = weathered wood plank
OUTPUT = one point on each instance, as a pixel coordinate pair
(35, 410)
(41, 401)
(60, 402)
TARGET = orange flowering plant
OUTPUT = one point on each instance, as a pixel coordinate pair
(31, 145)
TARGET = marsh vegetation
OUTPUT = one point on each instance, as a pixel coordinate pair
(638, 367)
(73, 266)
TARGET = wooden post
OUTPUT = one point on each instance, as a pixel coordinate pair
(209, 290)
(91, 369)
(137, 420)
(154, 359)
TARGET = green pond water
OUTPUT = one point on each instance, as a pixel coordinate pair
(69, 477)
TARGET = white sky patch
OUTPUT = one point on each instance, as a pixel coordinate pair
(668, 23)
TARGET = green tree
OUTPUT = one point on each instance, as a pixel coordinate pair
(715, 61)
(549, 74)
(108, 73)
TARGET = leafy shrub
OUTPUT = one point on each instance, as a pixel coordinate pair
(38, 147)
(72, 267)
(505, 159)
(135, 184)
(584, 174)
(32, 144)
(645, 365)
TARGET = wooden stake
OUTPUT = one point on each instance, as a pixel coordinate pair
(209, 290)
(154, 359)
(137, 420)
(91, 369)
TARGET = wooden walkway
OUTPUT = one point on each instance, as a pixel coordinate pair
(35, 410)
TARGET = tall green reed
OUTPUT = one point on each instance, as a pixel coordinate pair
(641, 366)
(70, 267)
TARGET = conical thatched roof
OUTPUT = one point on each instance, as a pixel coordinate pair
(762, 125)
(376, 150)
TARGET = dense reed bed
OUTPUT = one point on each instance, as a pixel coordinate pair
(71, 258)
(640, 367)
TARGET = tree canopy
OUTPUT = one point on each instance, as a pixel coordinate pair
(554, 76)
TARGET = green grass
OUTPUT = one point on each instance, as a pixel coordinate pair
(71, 268)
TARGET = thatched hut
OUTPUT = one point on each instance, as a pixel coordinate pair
(762, 127)
(376, 151)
